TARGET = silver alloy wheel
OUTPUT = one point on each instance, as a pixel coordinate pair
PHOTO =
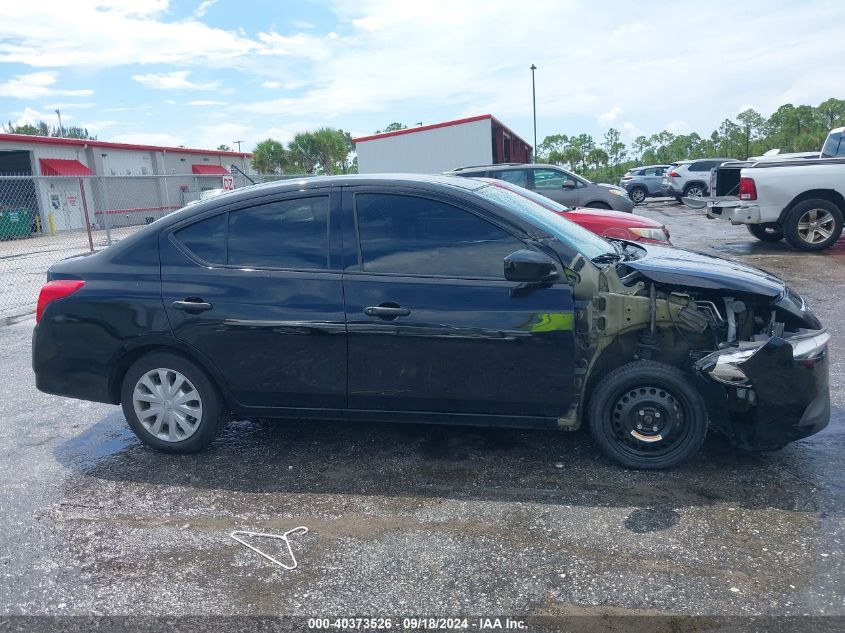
(167, 404)
(695, 192)
(816, 225)
(637, 195)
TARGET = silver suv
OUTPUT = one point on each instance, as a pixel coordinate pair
(554, 182)
(689, 178)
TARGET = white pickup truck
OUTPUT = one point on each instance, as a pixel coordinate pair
(799, 198)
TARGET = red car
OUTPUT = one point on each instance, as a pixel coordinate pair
(604, 222)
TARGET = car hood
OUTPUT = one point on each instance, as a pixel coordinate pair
(612, 218)
(606, 186)
(697, 270)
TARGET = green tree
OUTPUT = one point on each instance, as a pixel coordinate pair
(224, 148)
(270, 157)
(752, 125)
(393, 127)
(553, 145)
(832, 113)
(598, 158)
(615, 150)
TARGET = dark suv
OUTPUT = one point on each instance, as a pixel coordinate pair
(556, 183)
(427, 299)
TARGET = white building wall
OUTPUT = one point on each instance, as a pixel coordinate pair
(428, 151)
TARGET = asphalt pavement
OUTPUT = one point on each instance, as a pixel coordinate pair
(406, 519)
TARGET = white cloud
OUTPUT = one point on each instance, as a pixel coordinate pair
(32, 116)
(678, 127)
(271, 84)
(205, 102)
(203, 7)
(176, 80)
(606, 119)
(36, 85)
(106, 33)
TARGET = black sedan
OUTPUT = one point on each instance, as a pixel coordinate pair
(431, 299)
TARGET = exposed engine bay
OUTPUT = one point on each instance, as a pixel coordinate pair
(738, 342)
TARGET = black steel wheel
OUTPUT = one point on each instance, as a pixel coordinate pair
(647, 415)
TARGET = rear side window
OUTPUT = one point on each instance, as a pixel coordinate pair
(515, 176)
(704, 165)
(205, 239)
(283, 234)
(418, 236)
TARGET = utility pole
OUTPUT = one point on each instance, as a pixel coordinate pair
(61, 130)
(534, 103)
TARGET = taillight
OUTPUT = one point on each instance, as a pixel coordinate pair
(747, 189)
(627, 177)
(57, 289)
(673, 174)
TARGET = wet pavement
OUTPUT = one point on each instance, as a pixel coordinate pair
(421, 520)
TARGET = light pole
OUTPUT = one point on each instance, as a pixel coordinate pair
(59, 114)
(243, 162)
(534, 103)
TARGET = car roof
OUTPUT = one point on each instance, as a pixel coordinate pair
(501, 167)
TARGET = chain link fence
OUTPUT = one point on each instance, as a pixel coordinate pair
(46, 218)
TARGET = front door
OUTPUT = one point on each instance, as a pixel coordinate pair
(550, 183)
(433, 325)
(256, 291)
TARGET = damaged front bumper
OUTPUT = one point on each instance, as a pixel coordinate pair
(765, 394)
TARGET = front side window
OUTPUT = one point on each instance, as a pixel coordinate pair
(205, 239)
(418, 236)
(551, 179)
(283, 234)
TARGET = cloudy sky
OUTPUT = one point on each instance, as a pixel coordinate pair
(201, 73)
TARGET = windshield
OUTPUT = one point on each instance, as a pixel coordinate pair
(568, 233)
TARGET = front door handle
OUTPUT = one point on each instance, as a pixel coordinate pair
(196, 305)
(386, 312)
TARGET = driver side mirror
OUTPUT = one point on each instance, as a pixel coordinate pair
(569, 184)
(531, 267)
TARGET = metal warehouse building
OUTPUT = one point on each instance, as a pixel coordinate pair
(478, 140)
(66, 178)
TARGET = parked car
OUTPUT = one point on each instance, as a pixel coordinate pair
(556, 183)
(689, 178)
(427, 299)
(611, 224)
(643, 182)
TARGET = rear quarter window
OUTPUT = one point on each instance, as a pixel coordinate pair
(205, 239)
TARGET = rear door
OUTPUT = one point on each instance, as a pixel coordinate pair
(652, 178)
(257, 289)
(434, 326)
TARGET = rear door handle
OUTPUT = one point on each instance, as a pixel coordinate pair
(386, 312)
(191, 306)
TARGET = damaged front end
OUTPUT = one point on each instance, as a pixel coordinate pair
(766, 393)
(749, 345)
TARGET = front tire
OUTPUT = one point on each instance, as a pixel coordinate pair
(599, 205)
(171, 404)
(813, 225)
(646, 415)
(638, 195)
(767, 232)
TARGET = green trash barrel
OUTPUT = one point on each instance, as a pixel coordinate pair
(15, 222)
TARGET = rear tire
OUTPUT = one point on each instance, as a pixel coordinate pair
(638, 195)
(767, 232)
(646, 415)
(171, 404)
(813, 225)
(694, 190)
